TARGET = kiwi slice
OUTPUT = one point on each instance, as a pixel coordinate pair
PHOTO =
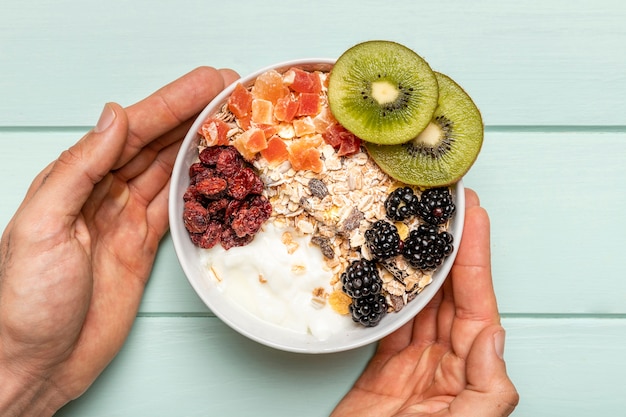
(445, 150)
(382, 92)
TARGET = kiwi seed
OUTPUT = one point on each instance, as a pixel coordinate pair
(445, 150)
(382, 92)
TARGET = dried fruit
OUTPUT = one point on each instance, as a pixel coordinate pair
(340, 302)
(195, 217)
(318, 188)
(223, 202)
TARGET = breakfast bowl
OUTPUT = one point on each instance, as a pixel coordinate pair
(281, 284)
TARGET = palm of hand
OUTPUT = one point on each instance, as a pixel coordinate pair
(410, 375)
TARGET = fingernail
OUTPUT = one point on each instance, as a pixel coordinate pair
(106, 118)
(498, 342)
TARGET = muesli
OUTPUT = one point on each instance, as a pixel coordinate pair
(274, 155)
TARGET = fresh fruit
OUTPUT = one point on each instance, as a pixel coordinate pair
(361, 279)
(426, 247)
(368, 311)
(436, 205)
(383, 240)
(383, 92)
(445, 150)
(401, 204)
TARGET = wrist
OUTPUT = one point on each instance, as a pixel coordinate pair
(25, 396)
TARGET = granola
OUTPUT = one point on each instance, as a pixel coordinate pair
(332, 203)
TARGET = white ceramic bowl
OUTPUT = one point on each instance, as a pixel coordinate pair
(236, 316)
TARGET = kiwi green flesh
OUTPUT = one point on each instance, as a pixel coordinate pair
(444, 152)
(382, 92)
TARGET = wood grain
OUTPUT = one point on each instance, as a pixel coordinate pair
(526, 63)
(550, 79)
(173, 366)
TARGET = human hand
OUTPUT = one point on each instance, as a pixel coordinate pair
(448, 360)
(76, 256)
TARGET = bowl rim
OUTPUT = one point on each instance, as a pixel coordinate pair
(245, 323)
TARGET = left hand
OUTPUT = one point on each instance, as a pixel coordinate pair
(75, 258)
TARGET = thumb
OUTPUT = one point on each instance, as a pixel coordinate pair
(74, 174)
(489, 390)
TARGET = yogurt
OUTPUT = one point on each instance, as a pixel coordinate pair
(286, 285)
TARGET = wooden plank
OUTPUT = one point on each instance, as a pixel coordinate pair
(198, 367)
(567, 367)
(556, 202)
(555, 198)
(545, 63)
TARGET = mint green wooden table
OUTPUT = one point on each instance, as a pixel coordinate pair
(550, 79)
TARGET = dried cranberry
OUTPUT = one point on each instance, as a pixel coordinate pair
(229, 161)
(248, 221)
(211, 236)
(195, 217)
(224, 202)
(216, 208)
(211, 187)
(262, 203)
(258, 186)
(229, 239)
(240, 184)
(203, 175)
(194, 170)
(209, 155)
(192, 194)
(233, 207)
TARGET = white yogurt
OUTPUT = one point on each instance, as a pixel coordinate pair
(275, 285)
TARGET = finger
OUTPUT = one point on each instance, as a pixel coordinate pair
(489, 391)
(146, 156)
(157, 213)
(446, 316)
(72, 177)
(147, 185)
(471, 198)
(447, 310)
(169, 107)
(471, 273)
(425, 329)
(229, 76)
(138, 164)
(474, 297)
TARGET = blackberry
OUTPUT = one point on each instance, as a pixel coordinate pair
(361, 279)
(426, 247)
(383, 240)
(401, 204)
(368, 311)
(436, 206)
